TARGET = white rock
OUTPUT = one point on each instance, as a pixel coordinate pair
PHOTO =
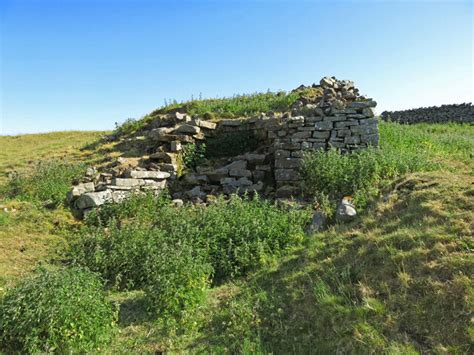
(93, 199)
(158, 175)
(79, 190)
(345, 211)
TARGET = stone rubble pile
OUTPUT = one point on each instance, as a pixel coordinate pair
(338, 118)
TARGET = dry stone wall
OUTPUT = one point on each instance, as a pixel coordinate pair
(462, 113)
(340, 119)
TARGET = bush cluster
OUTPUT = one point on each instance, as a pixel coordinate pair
(193, 154)
(48, 182)
(56, 311)
(328, 176)
(173, 253)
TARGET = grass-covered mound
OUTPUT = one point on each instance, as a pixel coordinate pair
(56, 311)
(244, 105)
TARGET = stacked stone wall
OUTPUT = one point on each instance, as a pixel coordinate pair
(341, 119)
(461, 113)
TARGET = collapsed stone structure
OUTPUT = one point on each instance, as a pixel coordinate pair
(339, 118)
(461, 113)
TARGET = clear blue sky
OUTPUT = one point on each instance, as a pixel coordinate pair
(85, 64)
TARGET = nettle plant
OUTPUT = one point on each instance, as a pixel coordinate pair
(56, 311)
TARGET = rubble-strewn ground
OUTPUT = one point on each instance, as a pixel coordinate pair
(397, 280)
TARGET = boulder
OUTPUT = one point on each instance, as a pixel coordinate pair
(79, 190)
(187, 129)
(238, 164)
(346, 210)
(93, 199)
(205, 124)
(177, 202)
(318, 223)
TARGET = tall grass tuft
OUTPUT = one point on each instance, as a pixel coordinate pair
(48, 182)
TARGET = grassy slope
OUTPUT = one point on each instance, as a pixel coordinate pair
(396, 280)
(391, 280)
(29, 234)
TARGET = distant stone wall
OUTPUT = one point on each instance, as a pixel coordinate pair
(462, 113)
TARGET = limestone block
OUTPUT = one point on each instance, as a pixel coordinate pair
(79, 190)
(302, 134)
(352, 140)
(323, 126)
(321, 134)
(287, 163)
(205, 124)
(280, 153)
(287, 175)
(93, 199)
(187, 129)
(240, 172)
(138, 174)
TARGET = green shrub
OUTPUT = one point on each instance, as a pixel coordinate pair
(177, 279)
(328, 176)
(193, 154)
(118, 253)
(235, 236)
(173, 273)
(56, 311)
(140, 207)
(128, 127)
(242, 235)
(48, 182)
(231, 144)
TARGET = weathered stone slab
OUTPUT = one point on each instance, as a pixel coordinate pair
(352, 140)
(79, 190)
(287, 163)
(187, 129)
(240, 172)
(321, 134)
(205, 124)
(323, 126)
(287, 175)
(93, 199)
(127, 182)
(138, 174)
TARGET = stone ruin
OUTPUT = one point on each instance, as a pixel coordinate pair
(339, 117)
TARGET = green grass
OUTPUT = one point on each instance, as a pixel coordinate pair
(236, 106)
(396, 280)
(20, 152)
(328, 176)
(244, 105)
(30, 234)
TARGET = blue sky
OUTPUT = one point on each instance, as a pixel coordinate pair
(84, 64)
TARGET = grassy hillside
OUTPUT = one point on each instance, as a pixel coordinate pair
(29, 233)
(396, 280)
